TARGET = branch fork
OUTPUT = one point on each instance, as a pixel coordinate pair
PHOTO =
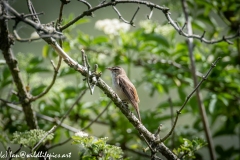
(91, 76)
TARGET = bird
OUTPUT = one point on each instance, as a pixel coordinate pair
(124, 88)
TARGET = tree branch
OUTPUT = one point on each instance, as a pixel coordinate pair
(47, 118)
(5, 45)
(198, 94)
(45, 136)
(188, 98)
(104, 87)
(164, 10)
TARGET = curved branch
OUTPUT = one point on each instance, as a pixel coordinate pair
(164, 10)
(53, 80)
(112, 3)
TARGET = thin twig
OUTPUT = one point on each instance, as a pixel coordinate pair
(151, 13)
(131, 22)
(184, 26)
(33, 12)
(47, 118)
(33, 24)
(89, 119)
(87, 65)
(45, 136)
(226, 40)
(88, 5)
(158, 131)
(149, 146)
(59, 144)
(112, 3)
(52, 82)
(89, 125)
(30, 39)
(102, 2)
(120, 16)
(19, 149)
(202, 35)
(70, 109)
(188, 97)
(172, 119)
(5, 101)
(137, 152)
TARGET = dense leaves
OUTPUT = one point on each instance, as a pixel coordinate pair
(157, 61)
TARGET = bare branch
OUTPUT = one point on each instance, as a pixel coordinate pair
(102, 2)
(5, 46)
(32, 11)
(19, 149)
(120, 16)
(158, 131)
(45, 136)
(45, 29)
(188, 97)
(88, 5)
(226, 40)
(184, 26)
(172, 120)
(87, 65)
(59, 144)
(151, 13)
(5, 101)
(131, 22)
(202, 35)
(47, 118)
(151, 6)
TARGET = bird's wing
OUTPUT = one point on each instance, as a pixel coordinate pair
(129, 91)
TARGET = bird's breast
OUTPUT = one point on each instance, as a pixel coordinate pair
(118, 90)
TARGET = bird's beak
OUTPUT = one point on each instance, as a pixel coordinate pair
(109, 68)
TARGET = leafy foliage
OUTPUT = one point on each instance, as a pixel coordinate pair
(187, 149)
(157, 61)
(31, 138)
(94, 148)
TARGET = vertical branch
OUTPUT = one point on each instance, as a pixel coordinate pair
(172, 119)
(198, 95)
(5, 45)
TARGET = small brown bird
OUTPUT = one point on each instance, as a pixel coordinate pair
(124, 87)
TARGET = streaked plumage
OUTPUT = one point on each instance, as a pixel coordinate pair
(124, 87)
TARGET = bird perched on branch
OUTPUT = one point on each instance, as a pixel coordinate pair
(124, 88)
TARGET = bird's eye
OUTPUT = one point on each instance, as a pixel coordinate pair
(115, 69)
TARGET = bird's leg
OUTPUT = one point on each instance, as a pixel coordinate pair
(125, 102)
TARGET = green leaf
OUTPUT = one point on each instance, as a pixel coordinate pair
(45, 51)
(99, 40)
(157, 38)
(181, 93)
(212, 103)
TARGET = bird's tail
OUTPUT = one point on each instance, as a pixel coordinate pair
(137, 110)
